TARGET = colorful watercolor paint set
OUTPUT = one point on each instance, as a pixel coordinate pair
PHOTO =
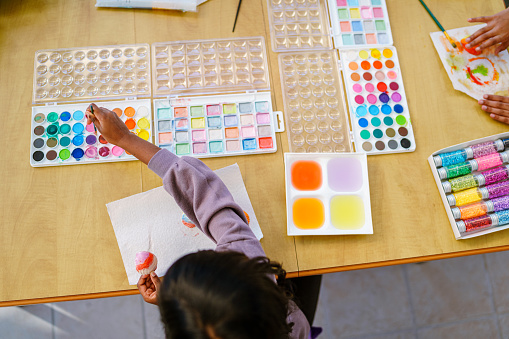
(377, 101)
(472, 179)
(316, 117)
(327, 194)
(360, 23)
(214, 123)
(219, 125)
(59, 133)
(298, 25)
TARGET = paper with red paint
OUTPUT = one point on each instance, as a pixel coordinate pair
(152, 221)
(471, 72)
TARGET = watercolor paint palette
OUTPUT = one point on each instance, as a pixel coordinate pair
(219, 125)
(209, 66)
(473, 181)
(377, 101)
(60, 134)
(315, 111)
(360, 23)
(72, 74)
(327, 194)
(298, 25)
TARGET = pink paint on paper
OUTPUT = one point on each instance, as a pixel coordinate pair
(145, 262)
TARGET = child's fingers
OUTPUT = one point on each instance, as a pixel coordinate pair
(500, 118)
(475, 37)
(488, 43)
(155, 279)
(480, 19)
(497, 111)
(492, 97)
(502, 47)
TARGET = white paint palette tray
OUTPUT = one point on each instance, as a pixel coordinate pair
(327, 194)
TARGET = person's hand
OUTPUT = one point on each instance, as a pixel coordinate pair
(148, 285)
(109, 124)
(495, 32)
(497, 106)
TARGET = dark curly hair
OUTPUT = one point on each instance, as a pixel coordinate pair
(211, 294)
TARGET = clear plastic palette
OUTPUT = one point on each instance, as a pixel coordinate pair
(360, 23)
(218, 125)
(377, 101)
(61, 136)
(327, 194)
(315, 110)
(209, 66)
(72, 74)
(298, 25)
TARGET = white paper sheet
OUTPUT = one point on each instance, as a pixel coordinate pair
(152, 221)
(474, 75)
(183, 5)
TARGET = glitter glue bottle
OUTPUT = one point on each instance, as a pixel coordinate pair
(499, 218)
(481, 208)
(474, 151)
(475, 194)
(479, 164)
(474, 180)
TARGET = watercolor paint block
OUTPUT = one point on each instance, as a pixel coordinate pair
(472, 233)
(61, 136)
(367, 20)
(218, 125)
(377, 101)
(327, 194)
(315, 113)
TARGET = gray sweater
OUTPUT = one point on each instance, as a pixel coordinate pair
(204, 198)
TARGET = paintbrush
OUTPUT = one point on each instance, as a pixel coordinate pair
(236, 16)
(438, 24)
(92, 114)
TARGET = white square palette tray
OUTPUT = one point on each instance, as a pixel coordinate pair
(327, 193)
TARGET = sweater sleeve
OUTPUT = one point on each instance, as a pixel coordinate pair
(206, 201)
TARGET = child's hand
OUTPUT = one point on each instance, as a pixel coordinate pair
(497, 106)
(109, 124)
(495, 32)
(148, 285)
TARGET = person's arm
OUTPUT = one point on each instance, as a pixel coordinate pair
(495, 32)
(198, 191)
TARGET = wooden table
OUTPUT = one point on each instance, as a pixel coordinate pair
(56, 239)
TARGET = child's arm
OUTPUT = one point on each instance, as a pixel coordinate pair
(197, 190)
(495, 32)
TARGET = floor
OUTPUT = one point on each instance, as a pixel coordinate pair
(454, 298)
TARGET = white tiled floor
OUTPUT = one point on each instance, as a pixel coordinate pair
(455, 298)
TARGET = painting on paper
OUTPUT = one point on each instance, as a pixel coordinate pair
(472, 72)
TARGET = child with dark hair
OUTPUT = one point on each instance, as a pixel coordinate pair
(227, 293)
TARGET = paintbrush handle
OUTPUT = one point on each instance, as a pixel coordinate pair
(432, 16)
